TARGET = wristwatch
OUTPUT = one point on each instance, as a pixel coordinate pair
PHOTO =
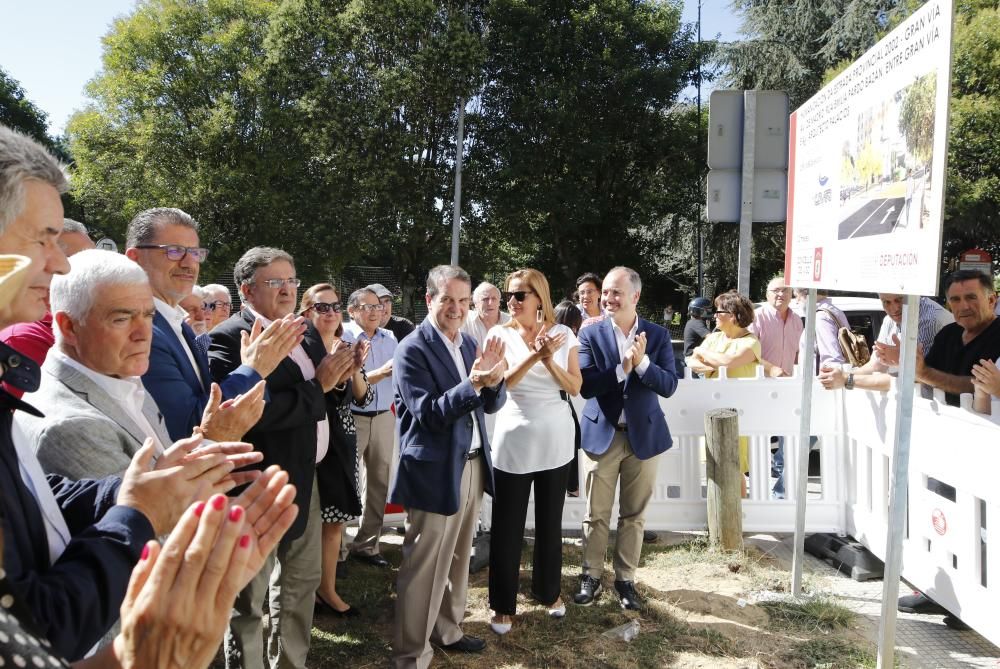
(849, 384)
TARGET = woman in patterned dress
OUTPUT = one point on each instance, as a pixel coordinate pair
(337, 473)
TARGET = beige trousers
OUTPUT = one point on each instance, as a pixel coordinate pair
(602, 475)
(431, 590)
(375, 436)
(288, 581)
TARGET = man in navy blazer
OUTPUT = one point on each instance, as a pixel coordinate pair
(627, 365)
(443, 392)
(164, 242)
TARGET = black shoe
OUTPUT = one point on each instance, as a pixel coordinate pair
(324, 607)
(955, 623)
(590, 589)
(342, 569)
(374, 560)
(467, 644)
(918, 602)
(649, 537)
(480, 558)
(630, 598)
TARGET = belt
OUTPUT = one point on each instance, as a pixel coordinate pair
(472, 455)
(370, 414)
(621, 428)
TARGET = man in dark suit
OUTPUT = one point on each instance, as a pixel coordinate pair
(443, 392)
(627, 365)
(164, 242)
(294, 422)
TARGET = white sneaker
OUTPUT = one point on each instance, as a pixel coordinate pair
(499, 627)
(557, 611)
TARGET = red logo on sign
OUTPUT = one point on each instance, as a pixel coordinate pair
(939, 522)
(818, 264)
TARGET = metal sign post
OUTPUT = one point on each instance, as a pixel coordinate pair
(747, 191)
(900, 476)
(808, 369)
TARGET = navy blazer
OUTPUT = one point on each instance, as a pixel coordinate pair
(638, 397)
(286, 431)
(175, 387)
(434, 413)
(76, 600)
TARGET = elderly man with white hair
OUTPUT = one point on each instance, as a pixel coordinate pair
(486, 299)
(97, 413)
(220, 303)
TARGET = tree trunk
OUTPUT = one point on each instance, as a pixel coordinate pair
(725, 513)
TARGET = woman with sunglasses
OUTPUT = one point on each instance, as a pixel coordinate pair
(732, 346)
(532, 446)
(337, 473)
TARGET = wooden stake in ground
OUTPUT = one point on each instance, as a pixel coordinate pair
(725, 511)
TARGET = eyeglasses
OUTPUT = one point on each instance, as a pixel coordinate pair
(278, 283)
(177, 252)
(517, 295)
(776, 291)
(218, 304)
(370, 307)
(327, 307)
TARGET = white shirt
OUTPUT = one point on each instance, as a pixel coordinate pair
(534, 428)
(624, 343)
(56, 530)
(455, 350)
(931, 318)
(128, 393)
(308, 369)
(476, 328)
(175, 317)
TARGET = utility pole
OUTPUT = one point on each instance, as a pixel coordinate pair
(701, 181)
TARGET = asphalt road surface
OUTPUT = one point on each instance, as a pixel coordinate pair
(875, 217)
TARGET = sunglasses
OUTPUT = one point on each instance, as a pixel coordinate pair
(517, 295)
(212, 306)
(177, 252)
(327, 307)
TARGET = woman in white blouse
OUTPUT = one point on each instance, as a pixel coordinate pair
(532, 445)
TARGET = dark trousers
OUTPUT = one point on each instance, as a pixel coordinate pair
(510, 508)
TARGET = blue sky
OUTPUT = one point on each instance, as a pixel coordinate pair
(53, 47)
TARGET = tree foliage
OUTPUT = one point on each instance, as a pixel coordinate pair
(20, 113)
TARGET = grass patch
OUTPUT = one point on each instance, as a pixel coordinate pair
(829, 654)
(814, 615)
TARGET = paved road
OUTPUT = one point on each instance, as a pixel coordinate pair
(876, 217)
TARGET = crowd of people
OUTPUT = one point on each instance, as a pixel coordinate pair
(248, 438)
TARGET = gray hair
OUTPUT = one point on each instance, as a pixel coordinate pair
(74, 293)
(216, 288)
(442, 274)
(257, 257)
(22, 158)
(355, 299)
(69, 225)
(633, 276)
(481, 289)
(143, 226)
(198, 292)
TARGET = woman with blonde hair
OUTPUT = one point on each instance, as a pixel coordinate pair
(532, 445)
(337, 473)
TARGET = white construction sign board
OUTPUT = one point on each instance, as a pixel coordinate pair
(867, 158)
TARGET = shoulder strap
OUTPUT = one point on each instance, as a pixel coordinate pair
(830, 311)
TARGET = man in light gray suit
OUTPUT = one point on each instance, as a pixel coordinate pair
(97, 413)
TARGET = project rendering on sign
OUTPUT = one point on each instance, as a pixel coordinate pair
(867, 166)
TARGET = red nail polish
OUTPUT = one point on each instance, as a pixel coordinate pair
(236, 513)
(199, 508)
(145, 552)
(218, 502)
(244, 541)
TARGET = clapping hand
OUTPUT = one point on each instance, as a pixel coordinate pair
(638, 349)
(264, 348)
(546, 346)
(986, 377)
(361, 351)
(230, 420)
(888, 354)
(489, 367)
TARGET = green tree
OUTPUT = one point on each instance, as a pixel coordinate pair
(581, 159)
(20, 113)
(916, 117)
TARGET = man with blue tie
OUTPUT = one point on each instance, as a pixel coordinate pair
(164, 242)
(627, 365)
(443, 392)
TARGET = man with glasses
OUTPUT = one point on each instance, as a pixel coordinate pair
(220, 304)
(292, 432)
(779, 330)
(397, 325)
(164, 242)
(374, 423)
